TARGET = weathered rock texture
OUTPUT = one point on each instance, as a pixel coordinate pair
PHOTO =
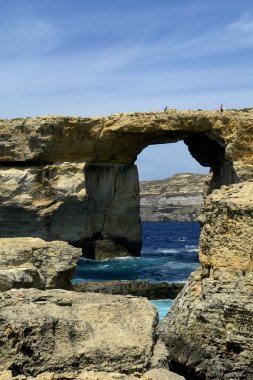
(209, 330)
(177, 199)
(35, 263)
(155, 374)
(151, 290)
(215, 138)
(86, 204)
(60, 331)
(73, 202)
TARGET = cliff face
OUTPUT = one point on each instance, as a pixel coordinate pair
(177, 199)
(72, 202)
(208, 332)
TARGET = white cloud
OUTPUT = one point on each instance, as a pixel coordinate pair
(244, 25)
(69, 58)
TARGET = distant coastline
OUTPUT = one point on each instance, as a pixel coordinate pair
(175, 199)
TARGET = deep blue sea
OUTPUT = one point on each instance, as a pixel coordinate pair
(169, 253)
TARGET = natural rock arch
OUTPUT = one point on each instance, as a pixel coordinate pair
(78, 174)
(60, 173)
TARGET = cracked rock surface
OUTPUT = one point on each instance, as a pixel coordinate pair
(208, 332)
(64, 331)
(35, 263)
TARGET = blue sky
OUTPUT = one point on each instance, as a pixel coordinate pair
(96, 57)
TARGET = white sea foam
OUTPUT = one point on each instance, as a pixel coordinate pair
(171, 250)
(120, 258)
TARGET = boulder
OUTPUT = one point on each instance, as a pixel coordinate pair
(162, 374)
(35, 263)
(63, 331)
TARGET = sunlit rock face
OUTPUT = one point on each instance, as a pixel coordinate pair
(208, 332)
(73, 179)
(59, 331)
(78, 203)
(35, 263)
(214, 138)
(176, 199)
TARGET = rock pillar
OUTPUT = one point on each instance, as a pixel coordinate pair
(208, 333)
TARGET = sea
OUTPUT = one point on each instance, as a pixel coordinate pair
(169, 254)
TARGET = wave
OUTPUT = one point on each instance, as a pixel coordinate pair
(178, 250)
(170, 250)
(119, 258)
(181, 265)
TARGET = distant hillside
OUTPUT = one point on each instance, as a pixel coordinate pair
(178, 198)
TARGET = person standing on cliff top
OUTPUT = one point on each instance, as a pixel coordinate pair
(221, 108)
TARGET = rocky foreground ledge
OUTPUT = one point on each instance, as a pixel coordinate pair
(150, 290)
(153, 374)
(64, 331)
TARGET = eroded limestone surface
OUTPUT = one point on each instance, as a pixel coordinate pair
(119, 138)
(157, 374)
(87, 205)
(73, 179)
(61, 331)
(209, 330)
(35, 263)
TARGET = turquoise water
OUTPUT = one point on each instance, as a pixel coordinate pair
(163, 306)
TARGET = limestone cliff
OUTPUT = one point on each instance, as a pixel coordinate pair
(209, 330)
(178, 198)
(72, 202)
(221, 140)
(72, 179)
(153, 374)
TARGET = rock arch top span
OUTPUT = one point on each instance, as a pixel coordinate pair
(79, 177)
(118, 139)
